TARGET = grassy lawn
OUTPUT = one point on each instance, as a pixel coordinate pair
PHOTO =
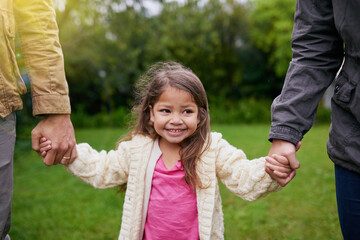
(50, 204)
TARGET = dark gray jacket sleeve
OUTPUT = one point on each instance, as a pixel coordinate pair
(317, 56)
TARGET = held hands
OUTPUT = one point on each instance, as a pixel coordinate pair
(279, 169)
(45, 146)
(281, 164)
(60, 130)
(286, 149)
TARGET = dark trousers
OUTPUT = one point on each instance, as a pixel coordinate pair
(7, 142)
(348, 201)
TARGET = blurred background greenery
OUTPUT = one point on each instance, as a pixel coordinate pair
(239, 49)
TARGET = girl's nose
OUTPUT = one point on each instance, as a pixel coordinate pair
(176, 119)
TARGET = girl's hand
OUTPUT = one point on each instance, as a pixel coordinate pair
(278, 167)
(45, 146)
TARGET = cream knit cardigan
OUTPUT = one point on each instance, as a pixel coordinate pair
(134, 162)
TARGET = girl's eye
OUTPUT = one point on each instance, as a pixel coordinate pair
(165, 110)
(188, 111)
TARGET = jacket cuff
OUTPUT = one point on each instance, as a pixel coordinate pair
(51, 104)
(285, 133)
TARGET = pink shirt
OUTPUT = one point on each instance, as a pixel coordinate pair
(172, 211)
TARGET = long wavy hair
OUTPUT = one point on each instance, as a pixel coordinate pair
(148, 90)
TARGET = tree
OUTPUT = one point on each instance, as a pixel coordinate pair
(271, 26)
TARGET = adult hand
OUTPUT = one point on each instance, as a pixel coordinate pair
(58, 129)
(288, 150)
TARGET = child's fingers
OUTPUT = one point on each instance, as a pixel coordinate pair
(273, 161)
(45, 149)
(43, 139)
(278, 168)
(43, 154)
(270, 172)
(44, 144)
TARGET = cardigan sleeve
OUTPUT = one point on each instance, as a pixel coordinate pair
(245, 178)
(101, 169)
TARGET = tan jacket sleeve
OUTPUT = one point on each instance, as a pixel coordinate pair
(36, 25)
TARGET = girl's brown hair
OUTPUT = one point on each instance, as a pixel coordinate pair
(150, 87)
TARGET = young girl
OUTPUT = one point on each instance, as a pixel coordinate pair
(172, 163)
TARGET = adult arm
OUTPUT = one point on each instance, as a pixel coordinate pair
(38, 31)
(317, 56)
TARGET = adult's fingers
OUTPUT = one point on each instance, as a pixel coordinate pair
(281, 159)
(74, 154)
(49, 158)
(292, 175)
(67, 157)
(280, 174)
(63, 152)
(272, 160)
(289, 178)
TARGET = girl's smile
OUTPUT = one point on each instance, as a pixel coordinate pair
(175, 115)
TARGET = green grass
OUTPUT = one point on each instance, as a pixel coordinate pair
(50, 204)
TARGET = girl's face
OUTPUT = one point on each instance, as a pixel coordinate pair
(175, 115)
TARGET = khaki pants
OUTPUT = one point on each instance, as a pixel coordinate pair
(7, 143)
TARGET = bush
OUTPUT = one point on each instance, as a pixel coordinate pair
(117, 118)
(323, 115)
(253, 110)
(244, 111)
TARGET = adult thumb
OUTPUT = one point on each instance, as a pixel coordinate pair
(35, 140)
(294, 163)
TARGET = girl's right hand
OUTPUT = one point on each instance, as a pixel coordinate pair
(45, 146)
(278, 167)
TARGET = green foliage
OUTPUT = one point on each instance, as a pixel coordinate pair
(271, 27)
(49, 203)
(240, 51)
(109, 44)
(323, 115)
(117, 118)
(244, 111)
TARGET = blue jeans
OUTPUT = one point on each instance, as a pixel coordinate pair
(7, 142)
(348, 201)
